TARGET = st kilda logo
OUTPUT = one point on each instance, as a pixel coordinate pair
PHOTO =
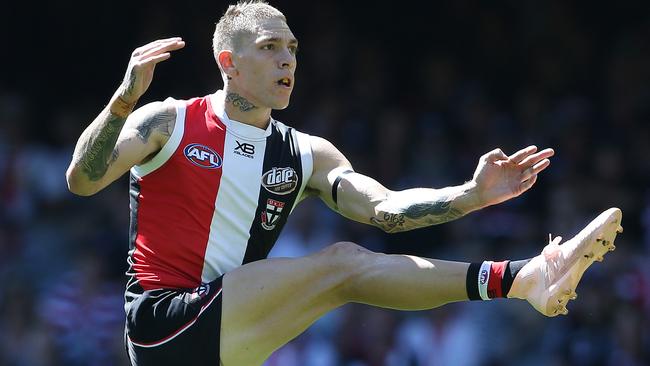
(271, 214)
(280, 180)
(202, 156)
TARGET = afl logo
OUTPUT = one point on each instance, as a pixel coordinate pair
(280, 180)
(484, 276)
(203, 156)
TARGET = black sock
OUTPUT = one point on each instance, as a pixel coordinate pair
(471, 283)
(495, 279)
(512, 268)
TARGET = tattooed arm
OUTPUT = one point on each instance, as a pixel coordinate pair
(497, 178)
(420, 207)
(112, 144)
(365, 200)
(116, 140)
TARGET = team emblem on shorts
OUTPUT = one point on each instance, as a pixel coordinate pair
(271, 214)
(200, 291)
(280, 180)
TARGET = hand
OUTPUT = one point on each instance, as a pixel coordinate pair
(499, 177)
(143, 60)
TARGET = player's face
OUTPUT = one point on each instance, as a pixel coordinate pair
(266, 65)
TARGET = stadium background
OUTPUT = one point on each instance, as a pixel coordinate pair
(413, 95)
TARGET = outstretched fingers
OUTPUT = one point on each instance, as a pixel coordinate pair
(161, 51)
(522, 154)
(143, 60)
(533, 159)
(149, 46)
(529, 175)
(158, 58)
(535, 169)
(532, 164)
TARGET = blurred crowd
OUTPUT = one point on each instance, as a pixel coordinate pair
(412, 96)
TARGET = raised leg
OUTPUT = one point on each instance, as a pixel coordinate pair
(269, 302)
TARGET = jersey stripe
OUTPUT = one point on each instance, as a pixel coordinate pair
(282, 151)
(177, 202)
(235, 209)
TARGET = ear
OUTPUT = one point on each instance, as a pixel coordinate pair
(226, 63)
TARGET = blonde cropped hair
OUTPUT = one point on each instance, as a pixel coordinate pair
(239, 21)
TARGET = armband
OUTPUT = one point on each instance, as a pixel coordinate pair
(341, 172)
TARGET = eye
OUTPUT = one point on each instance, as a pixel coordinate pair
(293, 49)
(268, 47)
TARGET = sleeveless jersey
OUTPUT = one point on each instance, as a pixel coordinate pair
(216, 196)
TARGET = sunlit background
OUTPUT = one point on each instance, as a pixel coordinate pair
(413, 93)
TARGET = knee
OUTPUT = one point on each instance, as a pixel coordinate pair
(345, 257)
(344, 250)
(344, 263)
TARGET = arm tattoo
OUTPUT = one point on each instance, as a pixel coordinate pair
(99, 151)
(417, 215)
(240, 102)
(158, 120)
(128, 88)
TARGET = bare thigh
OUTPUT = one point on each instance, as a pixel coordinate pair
(269, 302)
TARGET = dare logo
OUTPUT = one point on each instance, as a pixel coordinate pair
(280, 180)
(202, 156)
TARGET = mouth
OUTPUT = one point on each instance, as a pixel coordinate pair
(285, 82)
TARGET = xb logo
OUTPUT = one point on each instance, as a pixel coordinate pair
(245, 149)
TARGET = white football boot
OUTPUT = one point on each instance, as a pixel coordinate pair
(550, 279)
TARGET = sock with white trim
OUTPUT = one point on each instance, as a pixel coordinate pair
(490, 280)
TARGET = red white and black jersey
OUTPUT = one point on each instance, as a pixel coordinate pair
(215, 197)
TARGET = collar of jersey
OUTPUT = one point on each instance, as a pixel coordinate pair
(240, 129)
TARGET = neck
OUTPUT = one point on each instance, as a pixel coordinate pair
(243, 110)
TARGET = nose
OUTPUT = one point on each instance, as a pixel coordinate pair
(287, 60)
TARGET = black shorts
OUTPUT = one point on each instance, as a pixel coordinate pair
(175, 327)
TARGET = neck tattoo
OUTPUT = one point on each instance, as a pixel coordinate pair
(240, 102)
